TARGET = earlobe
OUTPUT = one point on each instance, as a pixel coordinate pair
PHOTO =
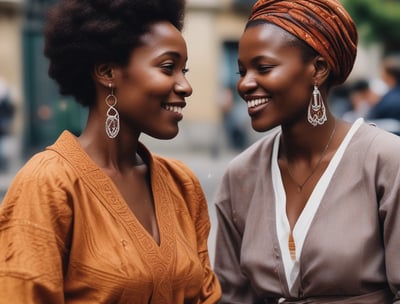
(103, 73)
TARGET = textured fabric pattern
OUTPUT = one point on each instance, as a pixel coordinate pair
(67, 236)
(323, 24)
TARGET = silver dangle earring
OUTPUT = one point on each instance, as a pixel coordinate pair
(316, 108)
(112, 121)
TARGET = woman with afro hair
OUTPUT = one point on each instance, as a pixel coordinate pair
(99, 218)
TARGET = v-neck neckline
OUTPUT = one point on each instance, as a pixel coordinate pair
(112, 198)
(304, 222)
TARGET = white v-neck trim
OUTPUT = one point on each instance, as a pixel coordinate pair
(304, 221)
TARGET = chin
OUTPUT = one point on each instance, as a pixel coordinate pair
(170, 136)
(166, 134)
(258, 127)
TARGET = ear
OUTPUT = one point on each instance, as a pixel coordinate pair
(322, 70)
(104, 74)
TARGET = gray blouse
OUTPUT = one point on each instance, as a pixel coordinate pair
(350, 251)
(304, 221)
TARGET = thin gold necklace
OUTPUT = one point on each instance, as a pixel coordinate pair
(300, 186)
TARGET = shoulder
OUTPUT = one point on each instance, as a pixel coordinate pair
(46, 175)
(41, 189)
(377, 144)
(389, 101)
(372, 135)
(258, 154)
(48, 180)
(242, 173)
(392, 94)
(183, 185)
(178, 177)
(175, 168)
(46, 165)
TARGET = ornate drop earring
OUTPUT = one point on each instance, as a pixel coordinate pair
(112, 121)
(316, 108)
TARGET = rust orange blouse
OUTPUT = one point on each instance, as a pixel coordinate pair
(67, 236)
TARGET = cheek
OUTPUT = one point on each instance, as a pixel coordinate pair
(157, 84)
(161, 87)
(295, 84)
(289, 74)
(292, 94)
(147, 87)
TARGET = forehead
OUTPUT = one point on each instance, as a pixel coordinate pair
(161, 36)
(268, 38)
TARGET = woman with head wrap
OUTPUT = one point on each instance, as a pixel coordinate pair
(98, 218)
(309, 213)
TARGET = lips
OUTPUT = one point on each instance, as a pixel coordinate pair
(254, 102)
(172, 108)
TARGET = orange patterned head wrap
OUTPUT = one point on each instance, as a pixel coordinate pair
(323, 24)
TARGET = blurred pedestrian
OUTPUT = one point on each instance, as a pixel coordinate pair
(389, 105)
(339, 100)
(7, 110)
(362, 98)
(234, 120)
(309, 213)
(98, 218)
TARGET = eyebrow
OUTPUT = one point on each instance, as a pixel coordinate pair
(174, 54)
(258, 58)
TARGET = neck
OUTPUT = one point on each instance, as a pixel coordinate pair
(311, 158)
(119, 154)
(308, 142)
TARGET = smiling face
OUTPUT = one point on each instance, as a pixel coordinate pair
(276, 80)
(152, 88)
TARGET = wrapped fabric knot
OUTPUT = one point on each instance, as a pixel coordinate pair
(323, 24)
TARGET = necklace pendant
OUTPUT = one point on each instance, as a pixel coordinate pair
(299, 188)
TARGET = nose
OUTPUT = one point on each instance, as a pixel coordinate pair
(246, 84)
(183, 88)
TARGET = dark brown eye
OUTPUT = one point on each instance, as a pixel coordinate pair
(264, 68)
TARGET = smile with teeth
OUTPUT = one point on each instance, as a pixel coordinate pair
(174, 109)
(256, 102)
